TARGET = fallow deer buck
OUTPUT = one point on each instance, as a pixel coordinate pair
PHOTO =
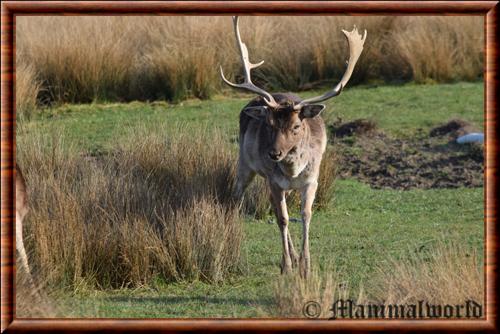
(283, 138)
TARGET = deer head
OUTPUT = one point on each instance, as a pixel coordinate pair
(285, 125)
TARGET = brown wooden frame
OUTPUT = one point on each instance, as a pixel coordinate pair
(487, 9)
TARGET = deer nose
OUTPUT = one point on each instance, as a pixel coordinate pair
(275, 155)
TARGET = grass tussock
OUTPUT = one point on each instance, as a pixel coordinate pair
(79, 59)
(292, 293)
(149, 58)
(151, 209)
(443, 274)
(27, 89)
(444, 46)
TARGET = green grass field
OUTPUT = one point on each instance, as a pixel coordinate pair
(355, 235)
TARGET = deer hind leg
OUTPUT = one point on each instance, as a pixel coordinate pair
(244, 176)
(280, 209)
(308, 194)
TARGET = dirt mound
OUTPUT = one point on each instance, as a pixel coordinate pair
(359, 127)
(453, 129)
(420, 162)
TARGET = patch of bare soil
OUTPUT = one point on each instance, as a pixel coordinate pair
(429, 160)
(359, 127)
(453, 129)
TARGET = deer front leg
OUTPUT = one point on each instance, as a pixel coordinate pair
(280, 209)
(293, 254)
(308, 194)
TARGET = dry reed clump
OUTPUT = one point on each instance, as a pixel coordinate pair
(323, 52)
(442, 50)
(292, 294)
(27, 89)
(182, 58)
(79, 59)
(82, 59)
(151, 209)
(444, 274)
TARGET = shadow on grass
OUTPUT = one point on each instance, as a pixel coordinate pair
(176, 300)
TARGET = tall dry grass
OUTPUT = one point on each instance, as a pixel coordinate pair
(292, 293)
(151, 209)
(27, 90)
(81, 59)
(446, 273)
(181, 57)
(443, 47)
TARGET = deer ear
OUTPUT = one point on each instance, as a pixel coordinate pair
(310, 111)
(259, 112)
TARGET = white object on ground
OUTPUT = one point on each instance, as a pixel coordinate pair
(474, 137)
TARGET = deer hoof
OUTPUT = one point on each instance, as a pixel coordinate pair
(294, 259)
(286, 266)
(286, 270)
(304, 267)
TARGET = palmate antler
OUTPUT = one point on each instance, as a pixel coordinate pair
(356, 43)
(355, 40)
(248, 84)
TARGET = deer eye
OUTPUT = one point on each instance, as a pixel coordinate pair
(296, 127)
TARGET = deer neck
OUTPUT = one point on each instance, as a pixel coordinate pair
(298, 158)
